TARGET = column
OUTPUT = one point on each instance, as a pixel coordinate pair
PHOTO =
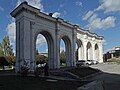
(56, 53)
(79, 53)
(100, 53)
(57, 47)
(93, 51)
(85, 49)
(73, 59)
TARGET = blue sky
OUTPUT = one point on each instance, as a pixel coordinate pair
(100, 16)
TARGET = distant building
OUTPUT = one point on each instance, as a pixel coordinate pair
(113, 53)
(45, 54)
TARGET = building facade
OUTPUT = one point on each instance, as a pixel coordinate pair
(30, 22)
(112, 54)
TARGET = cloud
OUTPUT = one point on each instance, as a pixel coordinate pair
(88, 15)
(34, 3)
(40, 40)
(56, 15)
(62, 5)
(1, 9)
(98, 23)
(11, 32)
(78, 3)
(94, 22)
(109, 5)
(62, 49)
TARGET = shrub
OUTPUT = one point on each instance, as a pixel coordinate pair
(24, 71)
(24, 68)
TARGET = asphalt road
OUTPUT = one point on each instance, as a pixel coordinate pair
(110, 76)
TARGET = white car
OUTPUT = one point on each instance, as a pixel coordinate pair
(95, 62)
(83, 63)
(89, 62)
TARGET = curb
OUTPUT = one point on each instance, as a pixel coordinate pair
(90, 76)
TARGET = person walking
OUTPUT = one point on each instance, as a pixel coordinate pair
(46, 70)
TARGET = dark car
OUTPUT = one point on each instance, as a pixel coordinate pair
(81, 63)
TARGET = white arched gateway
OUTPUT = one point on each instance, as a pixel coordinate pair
(30, 22)
(80, 50)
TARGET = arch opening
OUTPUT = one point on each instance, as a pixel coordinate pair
(79, 50)
(96, 52)
(89, 51)
(44, 48)
(65, 51)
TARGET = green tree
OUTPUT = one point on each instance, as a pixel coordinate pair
(1, 50)
(62, 57)
(6, 47)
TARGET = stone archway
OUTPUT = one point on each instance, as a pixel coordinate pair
(96, 48)
(67, 49)
(80, 51)
(30, 22)
(50, 43)
(89, 51)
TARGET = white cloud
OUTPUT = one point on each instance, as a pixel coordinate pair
(56, 15)
(88, 15)
(94, 22)
(11, 32)
(78, 3)
(1, 9)
(94, 16)
(40, 40)
(62, 49)
(109, 5)
(61, 5)
(98, 23)
(34, 3)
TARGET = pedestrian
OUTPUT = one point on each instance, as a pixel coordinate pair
(46, 70)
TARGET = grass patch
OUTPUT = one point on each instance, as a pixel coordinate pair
(33, 83)
(14, 82)
(82, 71)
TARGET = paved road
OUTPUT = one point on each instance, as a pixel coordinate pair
(110, 75)
(108, 68)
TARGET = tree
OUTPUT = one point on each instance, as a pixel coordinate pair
(62, 57)
(6, 52)
(1, 50)
(41, 59)
(6, 47)
(3, 62)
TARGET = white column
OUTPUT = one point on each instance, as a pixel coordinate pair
(57, 52)
(79, 54)
(73, 54)
(93, 52)
(100, 52)
(85, 50)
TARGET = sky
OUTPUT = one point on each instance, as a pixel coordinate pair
(99, 16)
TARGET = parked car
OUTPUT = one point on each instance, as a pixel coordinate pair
(91, 62)
(82, 63)
(95, 62)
